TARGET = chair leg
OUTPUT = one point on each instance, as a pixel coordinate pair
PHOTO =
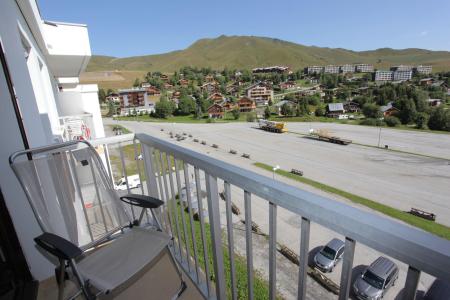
(60, 273)
(183, 285)
(83, 284)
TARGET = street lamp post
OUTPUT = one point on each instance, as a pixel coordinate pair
(379, 138)
(274, 169)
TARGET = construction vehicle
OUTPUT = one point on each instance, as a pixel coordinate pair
(324, 135)
(272, 126)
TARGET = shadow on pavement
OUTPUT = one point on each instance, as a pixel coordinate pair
(311, 255)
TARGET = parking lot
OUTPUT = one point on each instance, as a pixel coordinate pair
(396, 179)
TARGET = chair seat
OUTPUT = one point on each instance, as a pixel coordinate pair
(114, 264)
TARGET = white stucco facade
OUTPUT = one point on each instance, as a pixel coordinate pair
(44, 60)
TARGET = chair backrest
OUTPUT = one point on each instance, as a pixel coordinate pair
(70, 191)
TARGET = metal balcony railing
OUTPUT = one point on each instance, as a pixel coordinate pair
(165, 169)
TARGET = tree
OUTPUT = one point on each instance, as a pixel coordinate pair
(267, 113)
(392, 121)
(111, 109)
(371, 110)
(101, 95)
(137, 82)
(439, 119)
(361, 100)
(186, 105)
(320, 112)
(286, 109)
(421, 120)
(407, 113)
(163, 109)
(235, 113)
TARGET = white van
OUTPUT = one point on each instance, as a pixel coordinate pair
(133, 182)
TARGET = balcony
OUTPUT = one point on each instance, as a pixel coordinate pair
(220, 238)
(68, 48)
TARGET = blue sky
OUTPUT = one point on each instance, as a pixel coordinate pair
(138, 27)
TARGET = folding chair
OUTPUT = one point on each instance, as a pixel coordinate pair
(86, 226)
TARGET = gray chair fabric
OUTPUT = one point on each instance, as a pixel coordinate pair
(73, 197)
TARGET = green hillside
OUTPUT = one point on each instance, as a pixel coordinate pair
(249, 52)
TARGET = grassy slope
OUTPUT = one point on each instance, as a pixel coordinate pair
(432, 227)
(260, 286)
(250, 52)
(111, 79)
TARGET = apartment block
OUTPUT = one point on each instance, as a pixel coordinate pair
(314, 69)
(403, 75)
(402, 68)
(347, 68)
(136, 97)
(272, 69)
(331, 69)
(423, 69)
(260, 93)
(364, 68)
(384, 75)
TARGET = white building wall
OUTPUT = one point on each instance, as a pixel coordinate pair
(36, 123)
(37, 95)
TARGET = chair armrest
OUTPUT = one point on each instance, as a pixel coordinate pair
(142, 201)
(58, 246)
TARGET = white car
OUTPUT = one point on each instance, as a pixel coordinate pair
(133, 182)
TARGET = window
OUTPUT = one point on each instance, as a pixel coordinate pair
(328, 252)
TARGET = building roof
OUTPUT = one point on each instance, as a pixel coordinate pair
(387, 107)
(335, 106)
(215, 104)
(258, 84)
(281, 103)
(438, 83)
(133, 90)
(349, 102)
(245, 99)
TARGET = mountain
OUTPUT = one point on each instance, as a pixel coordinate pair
(249, 52)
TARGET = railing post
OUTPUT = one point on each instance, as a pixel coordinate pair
(178, 211)
(229, 213)
(347, 265)
(198, 188)
(125, 175)
(191, 212)
(149, 169)
(216, 234)
(304, 248)
(248, 242)
(412, 280)
(171, 204)
(152, 185)
(272, 251)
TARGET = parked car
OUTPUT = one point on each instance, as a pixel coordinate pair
(376, 280)
(327, 258)
(133, 182)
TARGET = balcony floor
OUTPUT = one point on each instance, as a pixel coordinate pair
(159, 282)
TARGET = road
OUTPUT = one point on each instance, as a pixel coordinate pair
(426, 143)
(396, 179)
